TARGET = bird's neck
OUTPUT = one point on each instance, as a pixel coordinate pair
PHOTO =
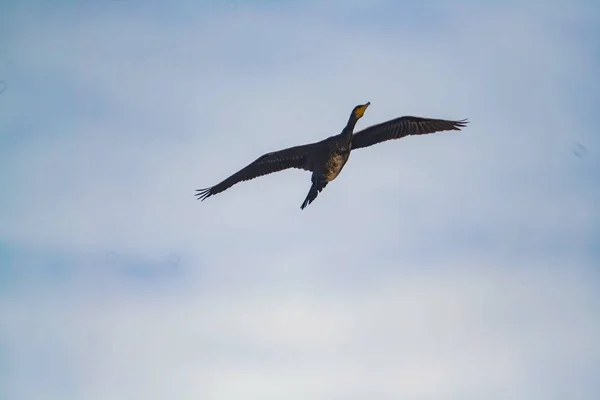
(349, 129)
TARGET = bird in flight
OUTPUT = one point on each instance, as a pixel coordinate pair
(326, 158)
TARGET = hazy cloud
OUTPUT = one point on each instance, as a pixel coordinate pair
(456, 265)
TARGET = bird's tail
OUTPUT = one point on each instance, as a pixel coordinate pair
(313, 193)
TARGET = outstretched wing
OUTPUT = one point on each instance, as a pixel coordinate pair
(292, 157)
(403, 126)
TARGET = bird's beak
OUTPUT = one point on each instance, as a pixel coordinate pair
(361, 111)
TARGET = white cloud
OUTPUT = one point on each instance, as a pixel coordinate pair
(469, 331)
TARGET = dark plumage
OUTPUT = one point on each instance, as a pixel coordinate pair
(326, 158)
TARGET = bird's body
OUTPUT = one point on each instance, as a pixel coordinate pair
(335, 162)
(329, 160)
(326, 158)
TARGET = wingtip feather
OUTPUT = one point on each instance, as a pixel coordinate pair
(461, 124)
(203, 194)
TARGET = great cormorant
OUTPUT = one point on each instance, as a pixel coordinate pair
(326, 158)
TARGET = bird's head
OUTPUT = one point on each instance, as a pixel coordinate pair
(359, 111)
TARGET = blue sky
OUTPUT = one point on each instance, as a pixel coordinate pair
(459, 265)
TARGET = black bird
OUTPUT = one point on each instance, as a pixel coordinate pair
(325, 159)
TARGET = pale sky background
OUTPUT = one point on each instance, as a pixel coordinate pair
(458, 265)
